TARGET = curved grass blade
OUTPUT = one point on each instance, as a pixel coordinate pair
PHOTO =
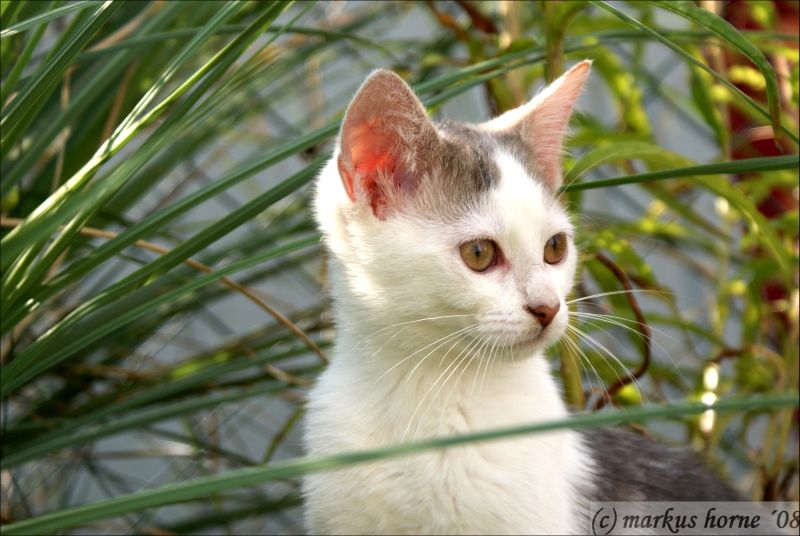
(23, 108)
(627, 150)
(724, 30)
(47, 16)
(10, 82)
(137, 42)
(721, 187)
(660, 38)
(90, 203)
(205, 486)
(61, 205)
(158, 413)
(748, 165)
(86, 96)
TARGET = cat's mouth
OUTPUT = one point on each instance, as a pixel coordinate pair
(528, 340)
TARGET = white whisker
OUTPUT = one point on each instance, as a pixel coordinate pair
(617, 321)
(584, 358)
(615, 292)
(445, 338)
(434, 384)
(475, 378)
(482, 350)
(591, 340)
(414, 322)
(586, 337)
(489, 360)
(466, 331)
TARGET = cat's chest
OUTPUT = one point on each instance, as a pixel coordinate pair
(521, 485)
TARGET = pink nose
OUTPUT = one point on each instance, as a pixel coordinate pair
(544, 313)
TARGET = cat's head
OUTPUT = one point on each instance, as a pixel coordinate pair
(457, 223)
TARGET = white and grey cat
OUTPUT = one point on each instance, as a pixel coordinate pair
(451, 259)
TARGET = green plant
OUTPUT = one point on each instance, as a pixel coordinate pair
(156, 158)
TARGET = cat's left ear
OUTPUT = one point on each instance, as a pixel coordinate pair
(542, 123)
(386, 143)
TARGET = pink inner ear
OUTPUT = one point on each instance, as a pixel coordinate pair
(546, 129)
(373, 163)
(550, 119)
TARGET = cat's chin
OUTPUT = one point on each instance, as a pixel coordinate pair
(535, 343)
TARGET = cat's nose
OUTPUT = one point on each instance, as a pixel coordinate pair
(544, 313)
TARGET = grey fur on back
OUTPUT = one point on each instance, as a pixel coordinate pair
(631, 467)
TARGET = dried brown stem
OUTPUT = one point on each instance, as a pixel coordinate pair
(478, 19)
(643, 327)
(448, 22)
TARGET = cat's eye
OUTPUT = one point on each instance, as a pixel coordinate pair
(479, 254)
(555, 248)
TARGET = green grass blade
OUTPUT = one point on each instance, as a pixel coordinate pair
(21, 111)
(86, 96)
(9, 15)
(205, 486)
(748, 165)
(611, 152)
(159, 413)
(184, 378)
(726, 31)
(10, 82)
(720, 186)
(62, 204)
(46, 16)
(660, 38)
(137, 42)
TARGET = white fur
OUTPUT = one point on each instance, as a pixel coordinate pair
(390, 380)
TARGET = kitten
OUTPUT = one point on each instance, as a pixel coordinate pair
(451, 258)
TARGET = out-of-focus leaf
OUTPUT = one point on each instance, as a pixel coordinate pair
(193, 489)
(46, 16)
(726, 31)
(738, 166)
(768, 114)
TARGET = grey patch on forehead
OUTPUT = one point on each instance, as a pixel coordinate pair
(484, 145)
(463, 167)
(513, 143)
(468, 152)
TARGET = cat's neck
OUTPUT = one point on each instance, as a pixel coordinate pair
(404, 371)
(434, 393)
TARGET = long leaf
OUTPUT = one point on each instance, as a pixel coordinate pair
(61, 205)
(90, 203)
(193, 489)
(20, 112)
(738, 92)
(46, 16)
(726, 31)
(747, 165)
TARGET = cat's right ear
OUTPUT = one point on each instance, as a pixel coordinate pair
(542, 123)
(386, 135)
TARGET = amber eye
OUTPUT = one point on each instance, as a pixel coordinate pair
(479, 254)
(555, 248)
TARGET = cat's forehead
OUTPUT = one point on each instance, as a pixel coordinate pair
(472, 162)
(521, 203)
(468, 153)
